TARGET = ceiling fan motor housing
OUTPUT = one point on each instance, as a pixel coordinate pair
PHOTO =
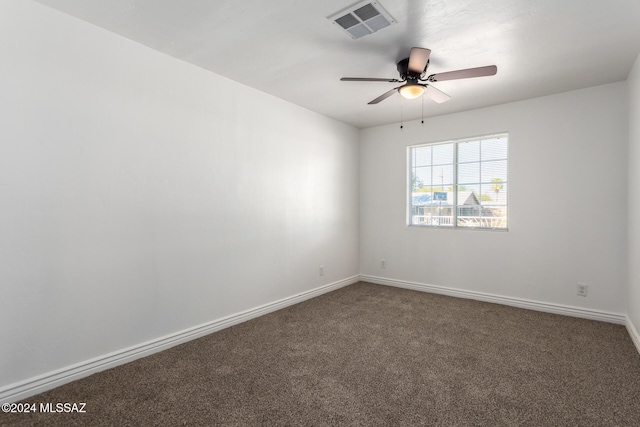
(403, 70)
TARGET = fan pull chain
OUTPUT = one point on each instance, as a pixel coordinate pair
(401, 120)
(422, 99)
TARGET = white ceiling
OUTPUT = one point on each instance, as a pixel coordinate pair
(289, 49)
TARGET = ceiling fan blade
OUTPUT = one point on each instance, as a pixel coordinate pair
(489, 70)
(436, 94)
(384, 96)
(367, 79)
(418, 59)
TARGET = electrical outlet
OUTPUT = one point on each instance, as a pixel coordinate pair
(582, 290)
(383, 263)
(321, 270)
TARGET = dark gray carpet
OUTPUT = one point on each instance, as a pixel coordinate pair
(373, 355)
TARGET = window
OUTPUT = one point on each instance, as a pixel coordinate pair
(459, 183)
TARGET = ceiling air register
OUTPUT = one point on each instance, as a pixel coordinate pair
(362, 19)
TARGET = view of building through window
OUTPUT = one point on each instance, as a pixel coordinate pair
(460, 183)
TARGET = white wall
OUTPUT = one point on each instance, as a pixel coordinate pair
(141, 196)
(567, 204)
(633, 297)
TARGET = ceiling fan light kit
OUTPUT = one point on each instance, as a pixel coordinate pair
(411, 91)
(412, 72)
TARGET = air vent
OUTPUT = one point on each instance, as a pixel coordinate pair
(363, 18)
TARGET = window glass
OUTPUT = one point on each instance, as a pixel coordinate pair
(460, 183)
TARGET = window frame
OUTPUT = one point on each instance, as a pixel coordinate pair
(455, 182)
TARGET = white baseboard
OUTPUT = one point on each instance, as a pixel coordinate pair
(42, 383)
(498, 299)
(633, 332)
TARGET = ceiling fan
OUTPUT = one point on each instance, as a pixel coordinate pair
(412, 72)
